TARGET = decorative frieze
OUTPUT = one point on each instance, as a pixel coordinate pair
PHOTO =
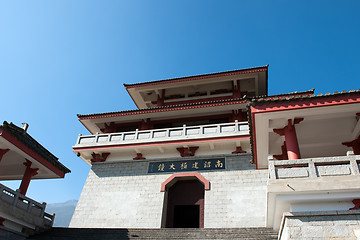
(187, 165)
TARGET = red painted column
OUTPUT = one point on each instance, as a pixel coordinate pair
(291, 141)
(292, 144)
(29, 173)
(161, 99)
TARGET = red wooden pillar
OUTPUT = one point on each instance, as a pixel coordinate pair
(291, 141)
(160, 99)
(29, 173)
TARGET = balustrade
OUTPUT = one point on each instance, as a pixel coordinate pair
(314, 167)
(184, 132)
(16, 199)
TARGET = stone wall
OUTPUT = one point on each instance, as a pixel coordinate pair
(343, 224)
(7, 235)
(124, 195)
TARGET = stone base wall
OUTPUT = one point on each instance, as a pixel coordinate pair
(7, 235)
(343, 224)
(124, 195)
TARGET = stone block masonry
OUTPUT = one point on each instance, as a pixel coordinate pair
(124, 195)
(344, 224)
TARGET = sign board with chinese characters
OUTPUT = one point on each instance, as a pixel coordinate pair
(187, 165)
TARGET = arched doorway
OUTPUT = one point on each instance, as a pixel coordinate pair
(185, 204)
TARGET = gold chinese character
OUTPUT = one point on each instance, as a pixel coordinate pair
(161, 167)
(219, 164)
(184, 165)
(195, 165)
(172, 166)
(207, 164)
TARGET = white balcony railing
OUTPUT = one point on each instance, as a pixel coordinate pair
(314, 167)
(27, 205)
(166, 134)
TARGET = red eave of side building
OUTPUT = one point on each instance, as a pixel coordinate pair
(197, 77)
(30, 152)
(272, 105)
(311, 102)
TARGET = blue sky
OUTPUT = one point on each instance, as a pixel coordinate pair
(61, 58)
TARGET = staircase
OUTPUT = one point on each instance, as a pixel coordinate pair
(153, 234)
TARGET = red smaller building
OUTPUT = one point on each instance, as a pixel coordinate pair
(23, 158)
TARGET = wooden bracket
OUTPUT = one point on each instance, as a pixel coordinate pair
(187, 151)
(3, 152)
(356, 202)
(289, 126)
(96, 157)
(139, 156)
(238, 150)
(355, 144)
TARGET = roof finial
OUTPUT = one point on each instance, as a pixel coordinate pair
(25, 126)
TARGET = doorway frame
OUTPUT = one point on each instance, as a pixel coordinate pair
(170, 181)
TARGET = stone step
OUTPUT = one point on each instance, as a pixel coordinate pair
(153, 234)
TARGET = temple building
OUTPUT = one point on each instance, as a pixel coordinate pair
(216, 151)
(23, 158)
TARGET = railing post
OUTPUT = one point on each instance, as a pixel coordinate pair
(311, 168)
(43, 206)
(272, 173)
(30, 205)
(52, 219)
(184, 130)
(97, 137)
(353, 164)
(79, 138)
(236, 126)
(137, 134)
(16, 197)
